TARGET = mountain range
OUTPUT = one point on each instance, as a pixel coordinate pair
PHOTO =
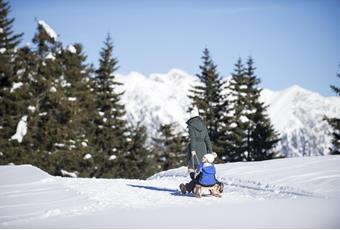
(295, 112)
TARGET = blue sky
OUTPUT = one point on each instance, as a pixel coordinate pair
(292, 42)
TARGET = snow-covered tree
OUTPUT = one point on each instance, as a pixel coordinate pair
(80, 104)
(14, 92)
(49, 123)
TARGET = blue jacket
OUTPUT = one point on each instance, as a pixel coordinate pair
(206, 175)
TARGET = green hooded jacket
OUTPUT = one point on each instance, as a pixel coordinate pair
(199, 141)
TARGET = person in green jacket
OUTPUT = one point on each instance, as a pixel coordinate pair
(199, 146)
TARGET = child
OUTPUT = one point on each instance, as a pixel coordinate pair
(204, 175)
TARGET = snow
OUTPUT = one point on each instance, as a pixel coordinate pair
(244, 119)
(71, 49)
(51, 33)
(31, 108)
(53, 89)
(2, 50)
(233, 125)
(16, 85)
(50, 56)
(298, 115)
(21, 129)
(42, 114)
(295, 112)
(72, 98)
(67, 174)
(87, 156)
(1, 30)
(20, 72)
(285, 193)
(84, 144)
(113, 157)
(60, 145)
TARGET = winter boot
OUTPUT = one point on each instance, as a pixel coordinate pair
(183, 188)
(221, 187)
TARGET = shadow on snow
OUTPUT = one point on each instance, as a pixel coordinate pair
(173, 192)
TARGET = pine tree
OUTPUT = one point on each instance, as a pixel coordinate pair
(208, 98)
(81, 105)
(13, 87)
(49, 122)
(138, 161)
(335, 124)
(8, 45)
(236, 140)
(263, 137)
(169, 147)
(17, 104)
(111, 127)
(251, 134)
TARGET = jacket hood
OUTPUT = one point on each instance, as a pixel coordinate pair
(196, 122)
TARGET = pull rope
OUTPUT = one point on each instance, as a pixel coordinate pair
(193, 162)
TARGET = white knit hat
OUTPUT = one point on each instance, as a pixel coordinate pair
(210, 157)
(194, 112)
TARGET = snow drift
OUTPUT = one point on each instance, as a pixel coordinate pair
(286, 193)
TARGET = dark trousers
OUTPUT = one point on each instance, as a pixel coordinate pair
(191, 185)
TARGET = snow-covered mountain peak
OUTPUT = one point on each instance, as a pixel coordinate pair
(296, 89)
(174, 76)
(178, 74)
(296, 113)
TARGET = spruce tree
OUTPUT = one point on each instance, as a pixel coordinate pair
(18, 104)
(9, 42)
(13, 87)
(335, 124)
(110, 136)
(236, 140)
(209, 99)
(251, 135)
(263, 137)
(48, 125)
(81, 105)
(138, 161)
(169, 147)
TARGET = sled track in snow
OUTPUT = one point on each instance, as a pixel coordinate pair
(258, 189)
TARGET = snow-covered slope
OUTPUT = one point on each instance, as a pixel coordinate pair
(286, 193)
(295, 112)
